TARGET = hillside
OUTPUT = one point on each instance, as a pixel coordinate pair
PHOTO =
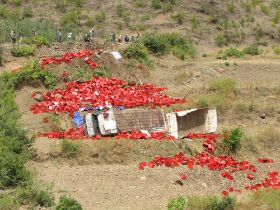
(221, 54)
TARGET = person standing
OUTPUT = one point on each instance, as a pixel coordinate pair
(69, 37)
(81, 38)
(34, 33)
(126, 39)
(91, 34)
(20, 34)
(59, 36)
(113, 37)
(13, 37)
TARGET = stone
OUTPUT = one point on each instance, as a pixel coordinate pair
(197, 74)
(262, 115)
(204, 185)
(143, 178)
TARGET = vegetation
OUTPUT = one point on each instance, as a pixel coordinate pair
(252, 50)
(67, 203)
(177, 203)
(233, 52)
(202, 203)
(23, 51)
(1, 56)
(70, 149)
(223, 86)
(179, 17)
(232, 139)
(162, 43)
(15, 148)
(138, 52)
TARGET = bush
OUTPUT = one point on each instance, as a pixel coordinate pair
(78, 3)
(23, 51)
(276, 51)
(233, 52)
(177, 203)
(252, 50)
(47, 78)
(160, 43)
(222, 40)
(232, 139)
(138, 52)
(210, 203)
(27, 12)
(100, 19)
(16, 2)
(195, 23)
(226, 203)
(156, 4)
(70, 149)
(179, 17)
(66, 203)
(34, 196)
(7, 203)
(70, 20)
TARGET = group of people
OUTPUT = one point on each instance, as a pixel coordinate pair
(124, 38)
(18, 36)
(87, 37)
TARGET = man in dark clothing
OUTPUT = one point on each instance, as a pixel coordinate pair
(59, 36)
(126, 38)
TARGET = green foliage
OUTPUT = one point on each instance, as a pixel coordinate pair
(78, 3)
(23, 51)
(16, 2)
(70, 20)
(32, 195)
(276, 51)
(27, 12)
(231, 7)
(138, 52)
(37, 40)
(232, 139)
(268, 197)
(226, 203)
(210, 203)
(222, 40)
(141, 3)
(195, 23)
(45, 29)
(8, 202)
(156, 4)
(120, 10)
(162, 43)
(265, 9)
(70, 149)
(179, 17)
(233, 52)
(47, 78)
(66, 203)
(177, 203)
(252, 50)
(100, 18)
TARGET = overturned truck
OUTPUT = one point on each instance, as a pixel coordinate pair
(175, 124)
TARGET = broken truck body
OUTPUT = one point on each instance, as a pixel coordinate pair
(175, 124)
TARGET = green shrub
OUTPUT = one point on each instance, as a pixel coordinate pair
(252, 50)
(195, 23)
(78, 3)
(177, 203)
(4, 11)
(8, 202)
(37, 40)
(70, 20)
(16, 2)
(138, 52)
(276, 51)
(100, 18)
(222, 40)
(233, 52)
(232, 139)
(47, 78)
(156, 4)
(141, 3)
(265, 9)
(120, 10)
(210, 203)
(27, 12)
(167, 7)
(23, 51)
(231, 7)
(160, 43)
(179, 17)
(226, 203)
(32, 195)
(66, 203)
(70, 149)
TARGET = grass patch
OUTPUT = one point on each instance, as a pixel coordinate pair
(234, 52)
(269, 138)
(252, 50)
(23, 51)
(223, 86)
(277, 50)
(67, 203)
(179, 17)
(70, 149)
(163, 43)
